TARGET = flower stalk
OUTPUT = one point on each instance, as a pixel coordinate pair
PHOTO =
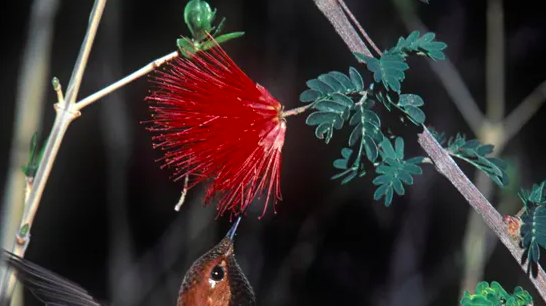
(66, 113)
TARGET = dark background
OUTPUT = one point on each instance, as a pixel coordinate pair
(107, 222)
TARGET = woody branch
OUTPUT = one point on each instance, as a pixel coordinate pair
(444, 164)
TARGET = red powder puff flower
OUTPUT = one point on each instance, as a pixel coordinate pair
(216, 124)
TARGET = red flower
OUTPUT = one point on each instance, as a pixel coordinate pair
(216, 124)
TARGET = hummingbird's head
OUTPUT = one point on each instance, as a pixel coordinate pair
(215, 279)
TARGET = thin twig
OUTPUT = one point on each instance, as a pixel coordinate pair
(447, 166)
(295, 111)
(126, 80)
(29, 106)
(359, 27)
(65, 116)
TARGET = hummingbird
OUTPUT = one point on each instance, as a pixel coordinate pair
(214, 279)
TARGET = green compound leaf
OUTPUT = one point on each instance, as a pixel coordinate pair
(389, 69)
(533, 222)
(394, 171)
(409, 104)
(496, 296)
(329, 95)
(473, 152)
(366, 135)
(424, 45)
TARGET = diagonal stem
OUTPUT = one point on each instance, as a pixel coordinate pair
(65, 115)
(446, 165)
(126, 80)
(81, 62)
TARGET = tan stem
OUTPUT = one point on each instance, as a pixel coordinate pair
(126, 80)
(446, 165)
(295, 111)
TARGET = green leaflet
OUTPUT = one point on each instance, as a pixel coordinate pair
(409, 104)
(496, 296)
(473, 152)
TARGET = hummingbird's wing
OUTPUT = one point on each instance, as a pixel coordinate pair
(47, 286)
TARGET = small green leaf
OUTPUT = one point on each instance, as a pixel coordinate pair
(332, 82)
(343, 79)
(398, 187)
(380, 192)
(187, 48)
(330, 106)
(23, 231)
(339, 98)
(399, 147)
(473, 152)
(495, 296)
(309, 95)
(416, 114)
(322, 117)
(425, 45)
(229, 36)
(319, 86)
(356, 79)
(348, 178)
(410, 100)
(387, 149)
(322, 129)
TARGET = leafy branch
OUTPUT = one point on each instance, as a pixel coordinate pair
(339, 98)
(474, 153)
(495, 295)
(441, 157)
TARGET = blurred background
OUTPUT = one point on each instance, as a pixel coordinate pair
(106, 219)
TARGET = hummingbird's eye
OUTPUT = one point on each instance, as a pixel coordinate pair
(217, 273)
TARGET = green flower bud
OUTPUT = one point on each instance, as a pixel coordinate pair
(199, 17)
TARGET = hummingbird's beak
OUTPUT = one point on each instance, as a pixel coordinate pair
(228, 240)
(233, 229)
